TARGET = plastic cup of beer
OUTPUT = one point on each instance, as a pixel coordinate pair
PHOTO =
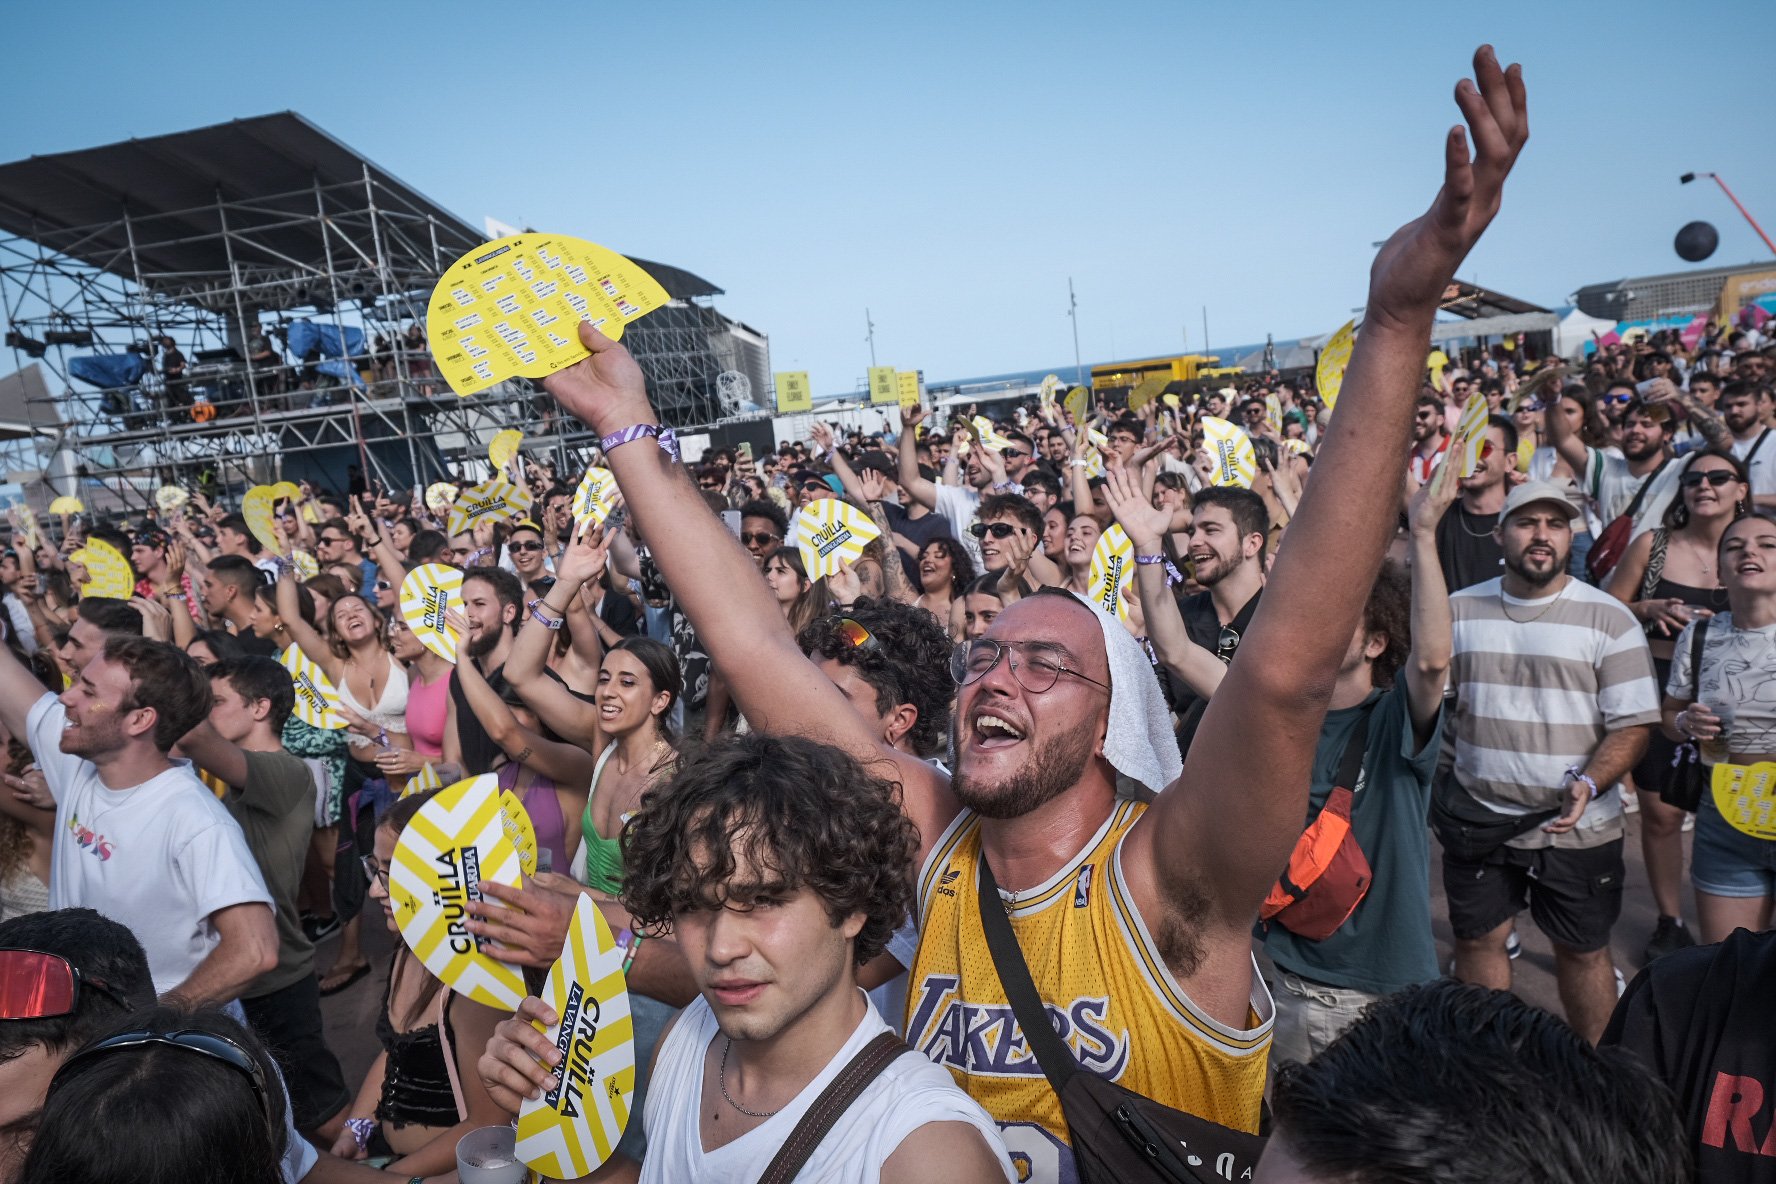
(489, 1156)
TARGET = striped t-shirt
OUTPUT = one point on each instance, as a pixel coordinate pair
(1536, 695)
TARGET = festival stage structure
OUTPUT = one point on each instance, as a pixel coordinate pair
(290, 275)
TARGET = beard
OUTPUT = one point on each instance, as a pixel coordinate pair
(1052, 767)
(1216, 569)
(1536, 578)
(485, 642)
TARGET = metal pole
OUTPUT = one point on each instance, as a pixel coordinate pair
(240, 313)
(870, 336)
(382, 278)
(351, 387)
(1205, 330)
(1073, 315)
(1744, 211)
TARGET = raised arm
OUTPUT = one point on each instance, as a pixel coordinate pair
(559, 709)
(207, 749)
(19, 691)
(302, 633)
(1433, 645)
(1566, 445)
(917, 487)
(1199, 670)
(1216, 853)
(718, 585)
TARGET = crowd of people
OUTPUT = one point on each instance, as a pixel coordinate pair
(869, 834)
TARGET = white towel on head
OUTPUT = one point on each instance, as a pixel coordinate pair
(1139, 741)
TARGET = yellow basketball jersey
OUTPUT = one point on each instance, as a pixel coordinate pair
(1114, 1003)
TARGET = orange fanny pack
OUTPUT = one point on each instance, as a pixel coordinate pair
(1328, 875)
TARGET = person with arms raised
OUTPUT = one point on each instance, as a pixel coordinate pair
(138, 837)
(1162, 943)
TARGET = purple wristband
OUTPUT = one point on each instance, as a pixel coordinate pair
(667, 441)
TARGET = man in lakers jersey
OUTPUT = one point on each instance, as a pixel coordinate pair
(1135, 919)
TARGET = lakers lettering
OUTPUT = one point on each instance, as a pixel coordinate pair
(983, 1039)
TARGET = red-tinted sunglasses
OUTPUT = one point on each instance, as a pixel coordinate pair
(855, 636)
(39, 986)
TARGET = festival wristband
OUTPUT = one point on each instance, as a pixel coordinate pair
(663, 436)
(1573, 775)
(541, 618)
(361, 1129)
(1149, 560)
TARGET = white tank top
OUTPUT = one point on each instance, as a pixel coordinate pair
(909, 1093)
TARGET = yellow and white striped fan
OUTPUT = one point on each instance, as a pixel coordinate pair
(439, 495)
(27, 523)
(307, 566)
(830, 532)
(454, 844)
(1112, 567)
(1231, 449)
(988, 435)
(1273, 413)
(495, 500)
(1472, 429)
(572, 1129)
(423, 781)
(595, 496)
(317, 699)
(1335, 356)
(429, 591)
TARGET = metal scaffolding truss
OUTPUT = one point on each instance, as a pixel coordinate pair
(224, 239)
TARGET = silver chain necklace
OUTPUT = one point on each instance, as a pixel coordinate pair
(721, 1078)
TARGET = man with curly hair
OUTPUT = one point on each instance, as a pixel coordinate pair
(780, 866)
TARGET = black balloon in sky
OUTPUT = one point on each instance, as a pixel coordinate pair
(1697, 241)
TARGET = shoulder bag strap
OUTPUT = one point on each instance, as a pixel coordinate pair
(1645, 487)
(1057, 1063)
(1350, 765)
(1764, 435)
(831, 1105)
(1696, 639)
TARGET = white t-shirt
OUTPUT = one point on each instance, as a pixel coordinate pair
(158, 859)
(1763, 465)
(910, 1093)
(958, 504)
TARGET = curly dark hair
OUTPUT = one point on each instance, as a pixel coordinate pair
(806, 815)
(961, 566)
(910, 662)
(1389, 611)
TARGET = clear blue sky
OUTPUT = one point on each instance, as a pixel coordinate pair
(950, 165)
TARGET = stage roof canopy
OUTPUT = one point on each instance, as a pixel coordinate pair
(263, 179)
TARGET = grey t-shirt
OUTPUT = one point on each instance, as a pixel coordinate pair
(275, 810)
(1386, 943)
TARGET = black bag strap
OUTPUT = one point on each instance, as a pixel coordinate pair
(1056, 1061)
(1645, 487)
(1696, 638)
(1750, 456)
(831, 1105)
(1350, 765)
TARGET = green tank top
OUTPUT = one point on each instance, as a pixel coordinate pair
(604, 857)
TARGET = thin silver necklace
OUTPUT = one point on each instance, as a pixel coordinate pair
(1462, 521)
(721, 1078)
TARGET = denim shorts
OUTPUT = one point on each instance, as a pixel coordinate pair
(1729, 862)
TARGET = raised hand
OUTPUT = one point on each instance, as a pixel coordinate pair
(1434, 497)
(1137, 516)
(911, 416)
(845, 584)
(873, 483)
(1414, 266)
(583, 559)
(605, 391)
(821, 435)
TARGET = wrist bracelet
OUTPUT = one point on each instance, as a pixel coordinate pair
(1149, 560)
(479, 554)
(361, 1129)
(543, 619)
(663, 436)
(375, 542)
(1574, 774)
(634, 948)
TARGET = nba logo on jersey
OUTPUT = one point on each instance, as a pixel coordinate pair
(1082, 888)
